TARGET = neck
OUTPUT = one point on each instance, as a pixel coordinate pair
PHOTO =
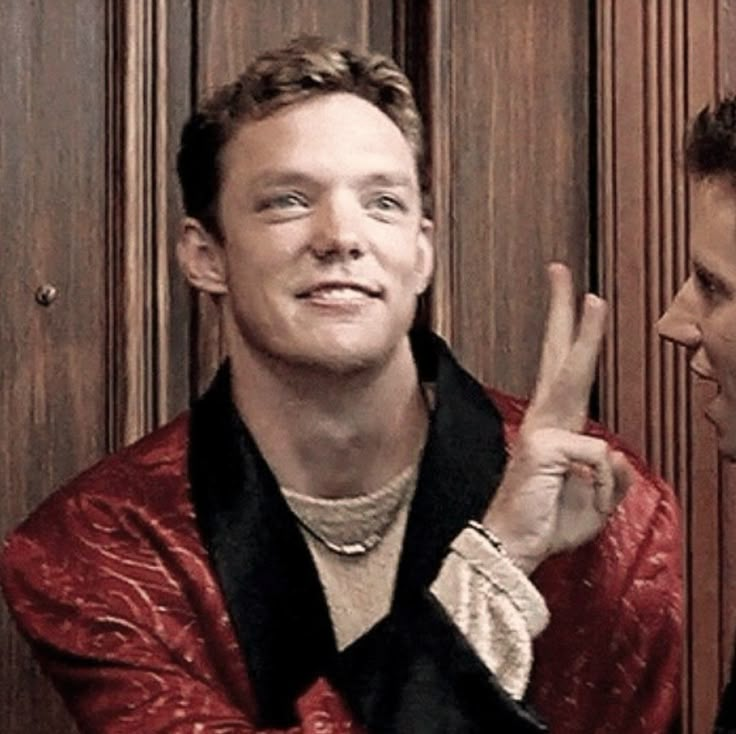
(327, 434)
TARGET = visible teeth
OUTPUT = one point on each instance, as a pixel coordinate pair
(337, 293)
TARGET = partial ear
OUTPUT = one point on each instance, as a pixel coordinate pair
(201, 258)
(424, 265)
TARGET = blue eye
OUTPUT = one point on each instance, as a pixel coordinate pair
(285, 201)
(387, 203)
(289, 200)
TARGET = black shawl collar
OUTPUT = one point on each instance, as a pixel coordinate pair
(271, 586)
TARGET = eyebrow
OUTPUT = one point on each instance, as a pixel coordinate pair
(701, 267)
(703, 270)
(286, 178)
(388, 179)
(281, 178)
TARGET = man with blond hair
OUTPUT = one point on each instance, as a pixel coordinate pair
(334, 539)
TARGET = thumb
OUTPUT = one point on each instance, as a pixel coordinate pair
(624, 475)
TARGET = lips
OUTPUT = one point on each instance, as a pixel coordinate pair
(701, 365)
(340, 289)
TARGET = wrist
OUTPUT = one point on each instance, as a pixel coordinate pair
(525, 555)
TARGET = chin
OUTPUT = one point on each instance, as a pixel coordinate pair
(341, 358)
(341, 347)
(727, 445)
(726, 437)
(722, 414)
(347, 349)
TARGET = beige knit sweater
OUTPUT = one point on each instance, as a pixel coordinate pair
(492, 602)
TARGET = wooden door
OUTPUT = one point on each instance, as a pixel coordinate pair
(53, 280)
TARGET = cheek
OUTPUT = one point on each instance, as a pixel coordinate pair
(401, 255)
(262, 257)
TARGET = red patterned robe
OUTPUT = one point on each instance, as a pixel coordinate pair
(168, 589)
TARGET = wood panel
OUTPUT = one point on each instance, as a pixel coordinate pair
(148, 349)
(178, 44)
(52, 219)
(87, 206)
(659, 62)
(509, 122)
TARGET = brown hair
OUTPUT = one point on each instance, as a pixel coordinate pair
(308, 66)
(711, 141)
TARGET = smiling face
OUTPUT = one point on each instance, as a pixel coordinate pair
(702, 316)
(325, 250)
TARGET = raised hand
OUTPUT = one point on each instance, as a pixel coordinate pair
(560, 486)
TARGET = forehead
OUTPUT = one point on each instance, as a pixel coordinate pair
(326, 135)
(713, 242)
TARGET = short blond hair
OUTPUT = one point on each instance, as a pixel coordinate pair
(306, 67)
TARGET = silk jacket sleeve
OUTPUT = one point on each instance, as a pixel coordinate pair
(614, 641)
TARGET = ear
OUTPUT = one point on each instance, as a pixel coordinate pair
(201, 258)
(424, 265)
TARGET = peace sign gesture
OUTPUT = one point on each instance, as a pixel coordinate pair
(560, 486)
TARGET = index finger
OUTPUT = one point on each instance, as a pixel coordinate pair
(567, 400)
(559, 329)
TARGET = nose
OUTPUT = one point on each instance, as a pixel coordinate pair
(680, 323)
(336, 235)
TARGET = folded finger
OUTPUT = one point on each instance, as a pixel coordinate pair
(586, 457)
(624, 476)
(594, 453)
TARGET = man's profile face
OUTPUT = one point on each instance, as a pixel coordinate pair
(703, 314)
(325, 246)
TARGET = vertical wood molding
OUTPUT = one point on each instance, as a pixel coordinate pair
(607, 197)
(138, 295)
(422, 36)
(656, 66)
(440, 103)
(159, 185)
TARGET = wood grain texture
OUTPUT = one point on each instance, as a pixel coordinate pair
(178, 90)
(510, 135)
(87, 204)
(423, 38)
(52, 219)
(658, 63)
(140, 213)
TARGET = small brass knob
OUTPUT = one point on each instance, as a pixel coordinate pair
(46, 294)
